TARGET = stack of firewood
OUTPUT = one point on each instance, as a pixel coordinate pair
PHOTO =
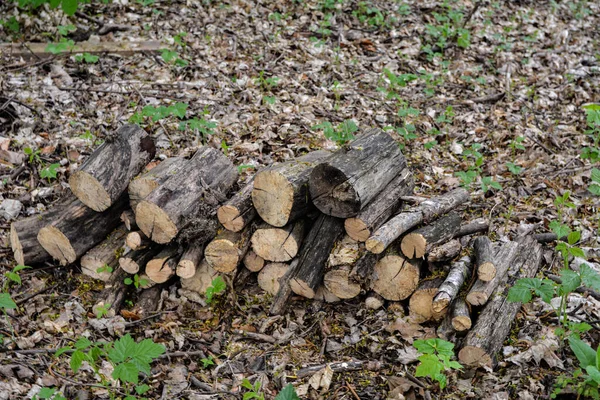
(325, 226)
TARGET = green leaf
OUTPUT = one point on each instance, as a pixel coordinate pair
(430, 366)
(77, 358)
(128, 281)
(142, 389)
(561, 230)
(179, 109)
(246, 384)
(70, 6)
(50, 171)
(82, 343)
(593, 373)
(62, 350)
(20, 268)
(123, 348)
(521, 292)
(577, 252)
(287, 393)
(594, 189)
(149, 349)
(573, 237)
(595, 175)
(6, 302)
(13, 277)
(441, 378)
(126, 372)
(589, 277)
(584, 353)
(570, 281)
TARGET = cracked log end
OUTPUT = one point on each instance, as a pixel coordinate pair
(16, 246)
(186, 269)
(396, 278)
(273, 197)
(301, 288)
(275, 244)
(230, 218)
(461, 323)
(128, 265)
(331, 192)
(413, 245)
(89, 191)
(441, 303)
(357, 229)
(154, 222)
(223, 255)
(375, 246)
(486, 271)
(472, 356)
(339, 283)
(57, 245)
(268, 277)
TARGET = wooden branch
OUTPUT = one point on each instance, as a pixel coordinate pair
(128, 218)
(135, 261)
(395, 277)
(346, 251)
(421, 301)
(484, 254)
(190, 260)
(353, 176)
(476, 226)
(143, 185)
(105, 174)
(106, 254)
(281, 299)
(420, 242)
(373, 301)
(162, 267)
(447, 292)
(461, 317)
(38, 50)
(225, 252)
(278, 244)
(445, 252)
(238, 211)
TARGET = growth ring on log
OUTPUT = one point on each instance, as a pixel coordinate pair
(57, 244)
(274, 189)
(89, 191)
(153, 220)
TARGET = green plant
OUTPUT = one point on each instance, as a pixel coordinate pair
(69, 7)
(253, 390)
(86, 57)
(448, 27)
(514, 168)
(101, 310)
(11, 24)
(592, 152)
(200, 125)
(217, 286)
(207, 362)
(594, 187)
(341, 134)
(393, 83)
(60, 47)
(64, 30)
(49, 393)
(373, 16)
(266, 83)
(50, 171)
(105, 268)
(287, 393)
(172, 57)
(34, 155)
(136, 281)
(584, 384)
(330, 5)
(159, 113)
(127, 357)
(435, 359)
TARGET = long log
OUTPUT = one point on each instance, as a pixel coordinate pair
(104, 176)
(225, 252)
(461, 317)
(481, 291)
(278, 244)
(427, 211)
(485, 339)
(447, 292)
(253, 261)
(377, 212)
(484, 254)
(314, 253)
(104, 258)
(78, 229)
(238, 211)
(190, 260)
(420, 242)
(162, 267)
(135, 261)
(196, 189)
(268, 277)
(396, 277)
(353, 176)
(421, 301)
(339, 282)
(280, 193)
(445, 251)
(143, 185)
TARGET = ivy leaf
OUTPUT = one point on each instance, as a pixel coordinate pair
(570, 281)
(589, 277)
(287, 393)
(584, 353)
(6, 302)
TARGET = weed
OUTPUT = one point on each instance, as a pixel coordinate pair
(136, 281)
(49, 172)
(341, 134)
(253, 390)
(435, 359)
(217, 286)
(49, 393)
(87, 58)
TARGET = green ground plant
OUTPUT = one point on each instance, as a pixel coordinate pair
(341, 134)
(592, 152)
(435, 359)
(217, 286)
(137, 282)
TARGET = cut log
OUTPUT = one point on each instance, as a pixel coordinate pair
(485, 339)
(149, 301)
(104, 176)
(113, 295)
(461, 317)
(346, 251)
(100, 261)
(268, 277)
(135, 261)
(128, 218)
(278, 244)
(196, 189)
(238, 211)
(190, 260)
(137, 240)
(78, 229)
(374, 301)
(162, 267)
(143, 185)
(395, 277)
(253, 261)
(280, 193)
(339, 282)
(353, 176)
(281, 299)
(460, 271)
(427, 211)
(484, 254)
(421, 301)
(323, 294)
(314, 253)
(445, 252)
(476, 226)
(201, 280)
(420, 242)
(481, 291)
(225, 252)
(378, 211)
(362, 271)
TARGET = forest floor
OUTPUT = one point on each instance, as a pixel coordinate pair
(487, 94)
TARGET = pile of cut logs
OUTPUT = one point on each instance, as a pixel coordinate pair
(325, 226)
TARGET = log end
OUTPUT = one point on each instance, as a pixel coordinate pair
(139, 188)
(301, 288)
(375, 246)
(413, 245)
(395, 278)
(486, 271)
(461, 323)
(420, 305)
(128, 265)
(89, 191)
(440, 303)
(16, 246)
(185, 269)
(274, 244)
(154, 222)
(268, 277)
(134, 240)
(273, 197)
(332, 193)
(253, 261)
(477, 298)
(339, 283)
(357, 229)
(57, 245)
(159, 270)
(229, 217)
(222, 255)
(472, 356)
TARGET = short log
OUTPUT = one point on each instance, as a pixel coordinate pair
(445, 251)
(135, 261)
(476, 226)
(459, 272)
(201, 280)
(396, 277)
(197, 189)
(278, 244)
(339, 282)
(253, 261)
(162, 267)
(137, 240)
(353, 176)
(98, 262)
(104, 176)
(420, 242)
(484, 263)
(268, 277)
(280, 194)
(461, 317)
(373, 301)
(346, 251)
(225, 252)
(238, 211)
(144, 184)
(190, 260)
(421, 301)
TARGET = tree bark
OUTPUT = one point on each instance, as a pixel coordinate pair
(346, 251)
(253, 261)
(225, 252)
(281, 299)
(162, 267)
(106, 254)
(77, 229)
(485, 339)
(137, 240)
(427, 211)
(143, 185)
(314, 253)
(278, 244)
(135, 261)
(148, 301)
(447, 292)
(196, 190)
(421, 301)
(420, 242)
(362, 270)
(377, 212)
(113, 295)
(461, 317)
(481, 290)
(395, 277)
(104, 176)
(280, 193)
(190, 260)
(445, 252)
(268, 277)
(476, 226)
(353, 176)
(238, 211)
(484, 259)
(339, 282)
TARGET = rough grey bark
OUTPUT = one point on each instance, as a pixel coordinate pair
(190, 260)
(420, 242)
(460, 271)
(196, 190)
(353, 176)
(426, 211)
(484, 341)
(484, 255)
(106, 254)
(476, 226)
(105, 174)
(445, 252)
(281, 299)
(144, 184)
(377, 212)
(238, 211)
